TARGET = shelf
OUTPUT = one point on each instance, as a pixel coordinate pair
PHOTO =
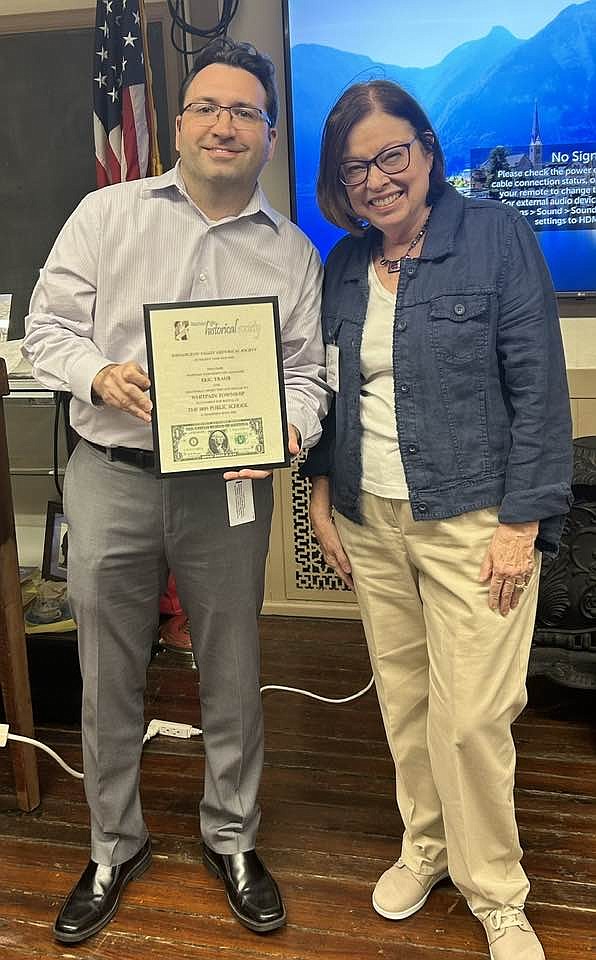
(34, 472)
(29, 390)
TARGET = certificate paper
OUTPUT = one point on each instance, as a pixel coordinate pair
(217, 385)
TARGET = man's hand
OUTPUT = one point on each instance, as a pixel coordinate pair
(326, 533)
(124, 386)
(509, 564)
(248, 474)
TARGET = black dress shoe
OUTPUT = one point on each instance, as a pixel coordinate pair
(251, 890)
(93, 901)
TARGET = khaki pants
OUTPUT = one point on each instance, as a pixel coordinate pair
(450, 676)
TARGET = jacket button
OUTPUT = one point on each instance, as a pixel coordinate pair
(412, 448)
(459, 309)
(404, 388)
(411, 271)
(401, 326)
(422, 508)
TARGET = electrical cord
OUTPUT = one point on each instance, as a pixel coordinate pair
(57, 409)
(181, 730)
(316, 696)
(5, 735)
(186, 53)
(179, 21)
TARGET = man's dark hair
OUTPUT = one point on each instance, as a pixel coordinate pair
(242, 55)
(356, 103)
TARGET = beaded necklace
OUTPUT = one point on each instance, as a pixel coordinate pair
(394, 266)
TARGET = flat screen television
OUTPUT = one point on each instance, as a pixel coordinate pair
(510, 90)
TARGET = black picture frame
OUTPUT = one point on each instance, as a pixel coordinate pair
(157, 325)
(55, 547)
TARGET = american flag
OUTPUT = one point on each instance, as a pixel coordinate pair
(123, 111)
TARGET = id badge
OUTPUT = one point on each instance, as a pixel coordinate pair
(332, 363)
(241, 504)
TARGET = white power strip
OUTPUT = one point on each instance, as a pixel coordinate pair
(168, 729)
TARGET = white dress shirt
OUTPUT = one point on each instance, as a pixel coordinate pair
(146, 241)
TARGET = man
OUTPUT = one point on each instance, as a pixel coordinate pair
(204, 230)
(218, 443)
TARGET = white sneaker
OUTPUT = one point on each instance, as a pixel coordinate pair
(510, 936)
(400, 892)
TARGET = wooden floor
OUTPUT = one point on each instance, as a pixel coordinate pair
(329, 826)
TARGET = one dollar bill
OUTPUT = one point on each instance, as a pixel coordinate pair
(229, 439)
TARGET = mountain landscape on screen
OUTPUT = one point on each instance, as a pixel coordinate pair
(481, 94)
(531, 100)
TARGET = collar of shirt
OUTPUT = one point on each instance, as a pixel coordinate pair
(258, 203)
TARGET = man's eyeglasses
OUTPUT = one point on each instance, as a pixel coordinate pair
(394, 159)
(207, 113)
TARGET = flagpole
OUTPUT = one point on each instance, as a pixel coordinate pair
(156, 166)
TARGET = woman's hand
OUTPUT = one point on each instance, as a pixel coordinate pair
(326, 532)
(509, 564)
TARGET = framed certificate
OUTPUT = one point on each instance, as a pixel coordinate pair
(217, 385)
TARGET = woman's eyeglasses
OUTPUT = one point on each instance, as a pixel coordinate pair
(393, 159)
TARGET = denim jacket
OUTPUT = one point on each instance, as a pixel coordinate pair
(481, 396)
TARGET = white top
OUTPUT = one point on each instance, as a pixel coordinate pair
(145, 241)
(382, 468)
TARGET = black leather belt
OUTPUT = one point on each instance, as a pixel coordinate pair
(140, 458)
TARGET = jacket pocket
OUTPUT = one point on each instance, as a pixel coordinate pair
(459, 327)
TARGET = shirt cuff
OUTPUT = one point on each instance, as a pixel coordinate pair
(307, 425)
(82, 374)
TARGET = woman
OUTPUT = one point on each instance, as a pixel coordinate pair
(447, 461)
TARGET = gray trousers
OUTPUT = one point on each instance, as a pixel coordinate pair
(126, 529)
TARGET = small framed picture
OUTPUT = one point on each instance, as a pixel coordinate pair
(55, 548)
